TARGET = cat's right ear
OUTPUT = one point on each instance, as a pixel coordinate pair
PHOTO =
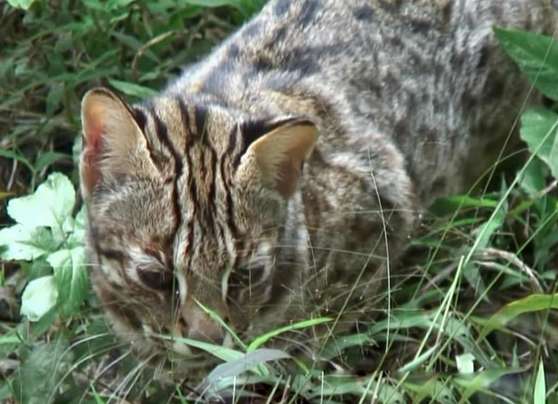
(276, 157)
(113, 143)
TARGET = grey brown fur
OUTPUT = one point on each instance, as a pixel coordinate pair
(410, 100)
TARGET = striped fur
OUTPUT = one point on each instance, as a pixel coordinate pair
(198, 195)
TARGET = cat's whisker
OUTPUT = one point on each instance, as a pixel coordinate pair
(110, 366)
(131, 374)
(80, 362)
(138, 373)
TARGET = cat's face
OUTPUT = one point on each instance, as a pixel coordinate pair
(185, 207)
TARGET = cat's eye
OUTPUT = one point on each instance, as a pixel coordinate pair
(157, 279)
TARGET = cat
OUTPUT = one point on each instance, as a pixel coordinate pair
(279, 178)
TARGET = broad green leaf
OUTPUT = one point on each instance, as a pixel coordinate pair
(538, 130)
(71, 277)
(536, 55)
(262, 339)
(246, 362)
(50, 205)
(23, 4)
(77, 235)
(510, 311)
(539, 396)
(25, 243)
(533, 179)
(133, 89)
(39, 297)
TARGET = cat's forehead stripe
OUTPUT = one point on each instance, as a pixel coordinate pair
(227, 154)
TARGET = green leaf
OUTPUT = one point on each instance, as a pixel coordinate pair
(533, 179)
(433, 388)
(9, 154)
(54, 97)
(539, 396)
(510, 311)
(77, 235)
(465, 363)
(39, 297)
(218, 351)
(481, 381)
(23, 4)
(262, 339)
(213, 3)
(70, 276)
(48, 158)
(538, 130)
(536, 55)
(132, 89)
(419, 360)
(24, 243)
(487, 230)
(10, 339)
(50, 205)
(245, 363)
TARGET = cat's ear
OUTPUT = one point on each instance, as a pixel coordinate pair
(113, 143)
(277, 155)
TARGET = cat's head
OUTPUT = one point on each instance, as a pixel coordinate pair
(185, 206)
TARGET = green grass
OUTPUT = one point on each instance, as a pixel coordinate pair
(472, 313)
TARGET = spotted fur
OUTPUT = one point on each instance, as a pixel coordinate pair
(277, 178)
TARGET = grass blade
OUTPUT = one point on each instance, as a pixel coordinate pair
(535, 302)
(262, 339)
(215, 317)
(539, 396)
(218, 351)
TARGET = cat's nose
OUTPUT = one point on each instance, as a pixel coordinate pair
(202, 327)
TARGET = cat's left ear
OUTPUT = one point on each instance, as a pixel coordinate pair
(277, 155)
(113, 143)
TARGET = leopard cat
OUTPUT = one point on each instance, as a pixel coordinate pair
(279, 178)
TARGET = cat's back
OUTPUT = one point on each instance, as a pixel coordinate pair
(348, 41)
(426, 74)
